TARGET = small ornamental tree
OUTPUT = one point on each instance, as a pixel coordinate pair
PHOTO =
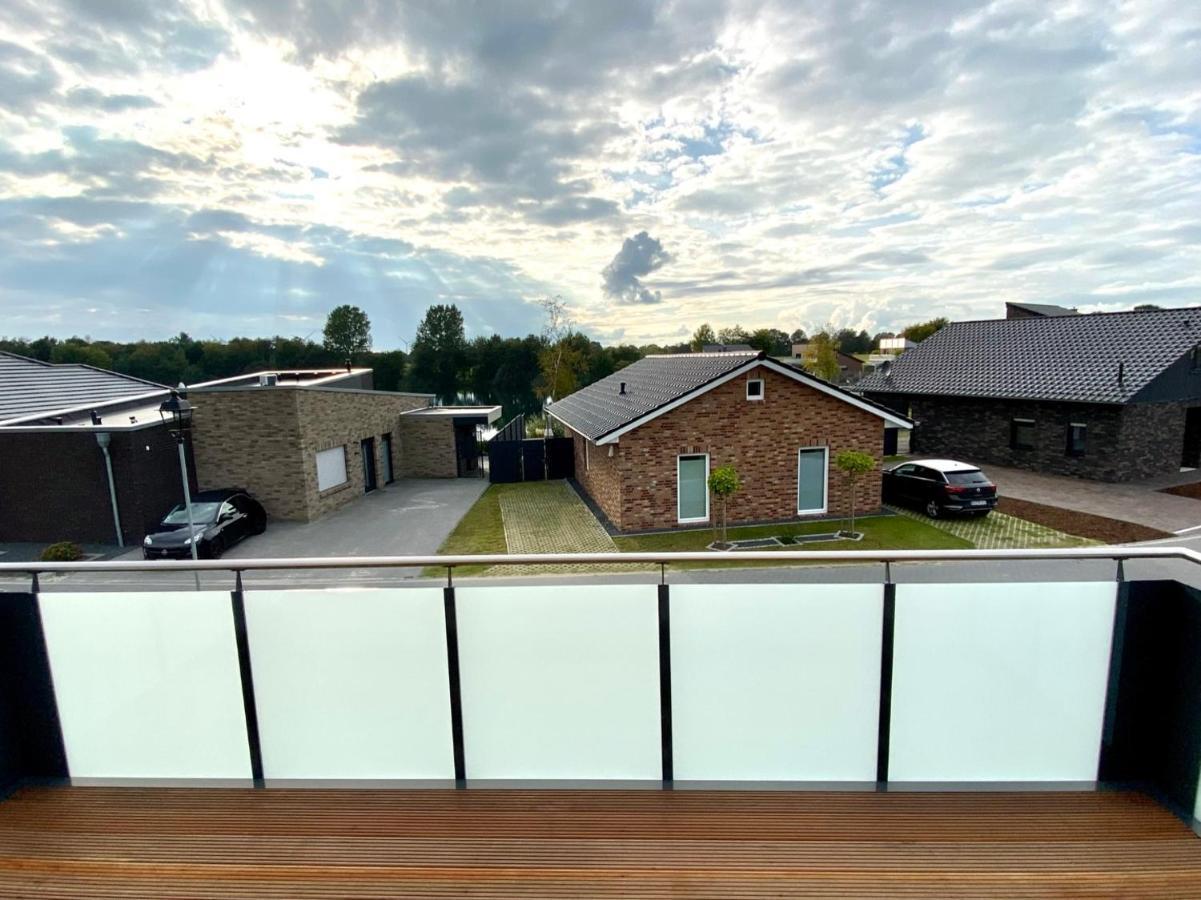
(724, 483)
(854, 465)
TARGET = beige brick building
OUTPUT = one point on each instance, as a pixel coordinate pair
(647, 437)
(304, 448)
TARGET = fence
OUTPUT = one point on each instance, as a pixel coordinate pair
(912, 684)
(513, 457)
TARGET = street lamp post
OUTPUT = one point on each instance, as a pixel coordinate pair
(176, 413)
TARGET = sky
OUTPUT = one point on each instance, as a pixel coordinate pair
(240, 167)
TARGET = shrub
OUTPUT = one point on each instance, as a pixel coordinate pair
(63, 551)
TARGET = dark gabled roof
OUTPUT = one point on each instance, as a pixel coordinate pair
(1068, 358)
(654, 383)
(651, 382)
(1044, 309)
(29, 387)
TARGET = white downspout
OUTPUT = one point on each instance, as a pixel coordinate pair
(103, 438)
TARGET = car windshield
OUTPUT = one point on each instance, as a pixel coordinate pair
(973, 477)
(202, 513)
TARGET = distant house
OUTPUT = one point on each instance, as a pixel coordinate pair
(647, 437)
(85, 456)
(1108, 396)
(727, 348)
(849, 367)
(1036, 310)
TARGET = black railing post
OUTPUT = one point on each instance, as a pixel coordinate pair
(249, 705)
(665, 683)
(886, 652)
(456, 695)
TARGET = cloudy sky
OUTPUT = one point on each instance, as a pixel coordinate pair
(241, 166)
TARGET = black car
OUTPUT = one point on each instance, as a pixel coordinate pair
(221, 519)
(940, 486)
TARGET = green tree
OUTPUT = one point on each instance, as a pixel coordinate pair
(702, 336)
(853, 464)
(771, 341)
(1146, 307)
(439, 352)
(387, 370)
(347, 332)
(556, 329)
(75, 350)
(735, 334)
(724, 483)
(850, 341)
(922, 330)
(820, 358)
(797, 337)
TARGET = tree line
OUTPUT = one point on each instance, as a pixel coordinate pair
(518, 373)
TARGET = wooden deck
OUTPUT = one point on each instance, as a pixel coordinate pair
(335, 843)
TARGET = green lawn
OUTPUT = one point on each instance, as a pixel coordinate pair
(482, 531)
(879, 533)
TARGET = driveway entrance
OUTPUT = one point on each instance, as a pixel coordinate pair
(1141, 503)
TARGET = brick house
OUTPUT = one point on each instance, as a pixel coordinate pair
(646, 438)
(304, 448)
(1105, 396)
(85, 456)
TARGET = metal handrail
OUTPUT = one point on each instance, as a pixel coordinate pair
(659, 559)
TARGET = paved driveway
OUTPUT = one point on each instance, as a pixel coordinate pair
(409, 517)
(406, 518)
(1131, 502)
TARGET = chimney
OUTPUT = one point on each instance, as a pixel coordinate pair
(622, 389)
(96, 420)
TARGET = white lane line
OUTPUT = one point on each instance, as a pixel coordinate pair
(1186, 530)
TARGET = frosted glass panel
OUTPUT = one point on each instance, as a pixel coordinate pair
(351, 684)
(811, 480)
(694, 487)
(775, 682)
(560, 682)
(998, 682)
(147, 684)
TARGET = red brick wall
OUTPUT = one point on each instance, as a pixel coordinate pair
(598, 474)
(759, 438)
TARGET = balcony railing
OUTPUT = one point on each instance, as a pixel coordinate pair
(898, 682)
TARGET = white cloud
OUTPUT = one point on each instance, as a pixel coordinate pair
(863, 164)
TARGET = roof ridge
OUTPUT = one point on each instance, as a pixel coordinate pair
(703, 353)
(1078, 317)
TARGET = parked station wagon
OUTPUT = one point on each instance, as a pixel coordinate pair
(940, 486)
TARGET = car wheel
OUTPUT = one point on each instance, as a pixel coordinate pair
(933, 510)
(215, 548)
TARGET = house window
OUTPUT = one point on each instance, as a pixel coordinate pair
(1077, 438)
(692, 488)
(1021, 434)
(331, 468)
(812, 470)
(754, 389)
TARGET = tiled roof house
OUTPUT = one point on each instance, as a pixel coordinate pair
(1110, 396)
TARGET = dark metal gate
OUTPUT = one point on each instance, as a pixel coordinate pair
(514, 457)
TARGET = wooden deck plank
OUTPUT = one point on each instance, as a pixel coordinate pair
(110, 842)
